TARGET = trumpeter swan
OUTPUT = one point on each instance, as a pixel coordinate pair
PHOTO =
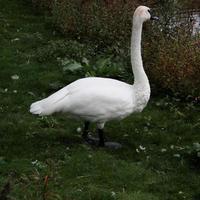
(103, 99)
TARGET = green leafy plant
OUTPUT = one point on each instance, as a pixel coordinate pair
(101, 66)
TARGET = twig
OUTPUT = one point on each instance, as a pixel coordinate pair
(46, 179)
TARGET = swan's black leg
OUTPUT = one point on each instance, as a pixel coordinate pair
(104, 143)
(86, 130)
(101, 137)
(87, 137)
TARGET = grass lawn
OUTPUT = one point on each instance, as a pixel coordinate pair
(45, 158)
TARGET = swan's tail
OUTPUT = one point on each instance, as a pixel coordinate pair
(36, 108)
(54, 103)
(41, 108)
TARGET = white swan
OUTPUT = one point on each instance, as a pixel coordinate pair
(103, 99)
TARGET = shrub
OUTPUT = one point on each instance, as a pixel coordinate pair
(62, 48)
(43, 4)
(176, 66)
(103, 22)
(170, 53)
(173, 60)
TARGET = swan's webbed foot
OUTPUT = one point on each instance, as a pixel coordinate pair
(90, 139)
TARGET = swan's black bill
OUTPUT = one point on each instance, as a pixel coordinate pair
(154, 18)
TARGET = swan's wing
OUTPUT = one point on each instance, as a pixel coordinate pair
(89, 97)
(100, 99)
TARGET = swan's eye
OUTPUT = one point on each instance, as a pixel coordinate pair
(149, 11)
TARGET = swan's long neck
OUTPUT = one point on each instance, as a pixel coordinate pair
(140, 77)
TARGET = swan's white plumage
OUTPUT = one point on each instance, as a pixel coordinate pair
(103, 99)
(93, 99)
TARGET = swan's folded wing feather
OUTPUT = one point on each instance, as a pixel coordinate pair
(98, 101)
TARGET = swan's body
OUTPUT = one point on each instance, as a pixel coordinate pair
(102, 99)
(94, 100)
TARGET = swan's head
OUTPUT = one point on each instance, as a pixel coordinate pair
(143, 13)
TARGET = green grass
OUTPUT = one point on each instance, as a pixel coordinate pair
(32, 148)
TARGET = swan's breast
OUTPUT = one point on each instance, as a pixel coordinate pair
(142, 96)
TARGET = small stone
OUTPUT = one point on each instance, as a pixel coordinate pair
(177, 155)
(78, 130)
(15, 77)
(15, 91)
(163, 150)
(113, 194)
(15, 39)
(89, 156)
(158, 104)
